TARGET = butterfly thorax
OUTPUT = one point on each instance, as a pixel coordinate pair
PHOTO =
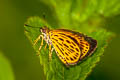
(45, 33)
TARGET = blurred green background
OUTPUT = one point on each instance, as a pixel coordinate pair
(19, 52)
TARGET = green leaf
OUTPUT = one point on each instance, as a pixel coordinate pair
(71, 12)
(6, 72)
(85, 9)
(55, 69)
(62, 10)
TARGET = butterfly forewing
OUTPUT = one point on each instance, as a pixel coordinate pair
(71, 46)
(66, 47)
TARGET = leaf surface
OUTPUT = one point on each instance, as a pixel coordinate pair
(55, 69)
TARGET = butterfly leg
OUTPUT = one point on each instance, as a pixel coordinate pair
(41, 43)
(45, 46)
(50, 52)
(40, 36)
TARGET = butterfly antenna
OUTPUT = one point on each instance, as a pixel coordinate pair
(44, 18)
(30, 26)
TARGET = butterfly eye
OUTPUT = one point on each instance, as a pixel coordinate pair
(44, 29)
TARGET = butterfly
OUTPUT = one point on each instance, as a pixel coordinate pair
(71, 47)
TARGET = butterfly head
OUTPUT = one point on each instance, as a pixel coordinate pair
(44, 30)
